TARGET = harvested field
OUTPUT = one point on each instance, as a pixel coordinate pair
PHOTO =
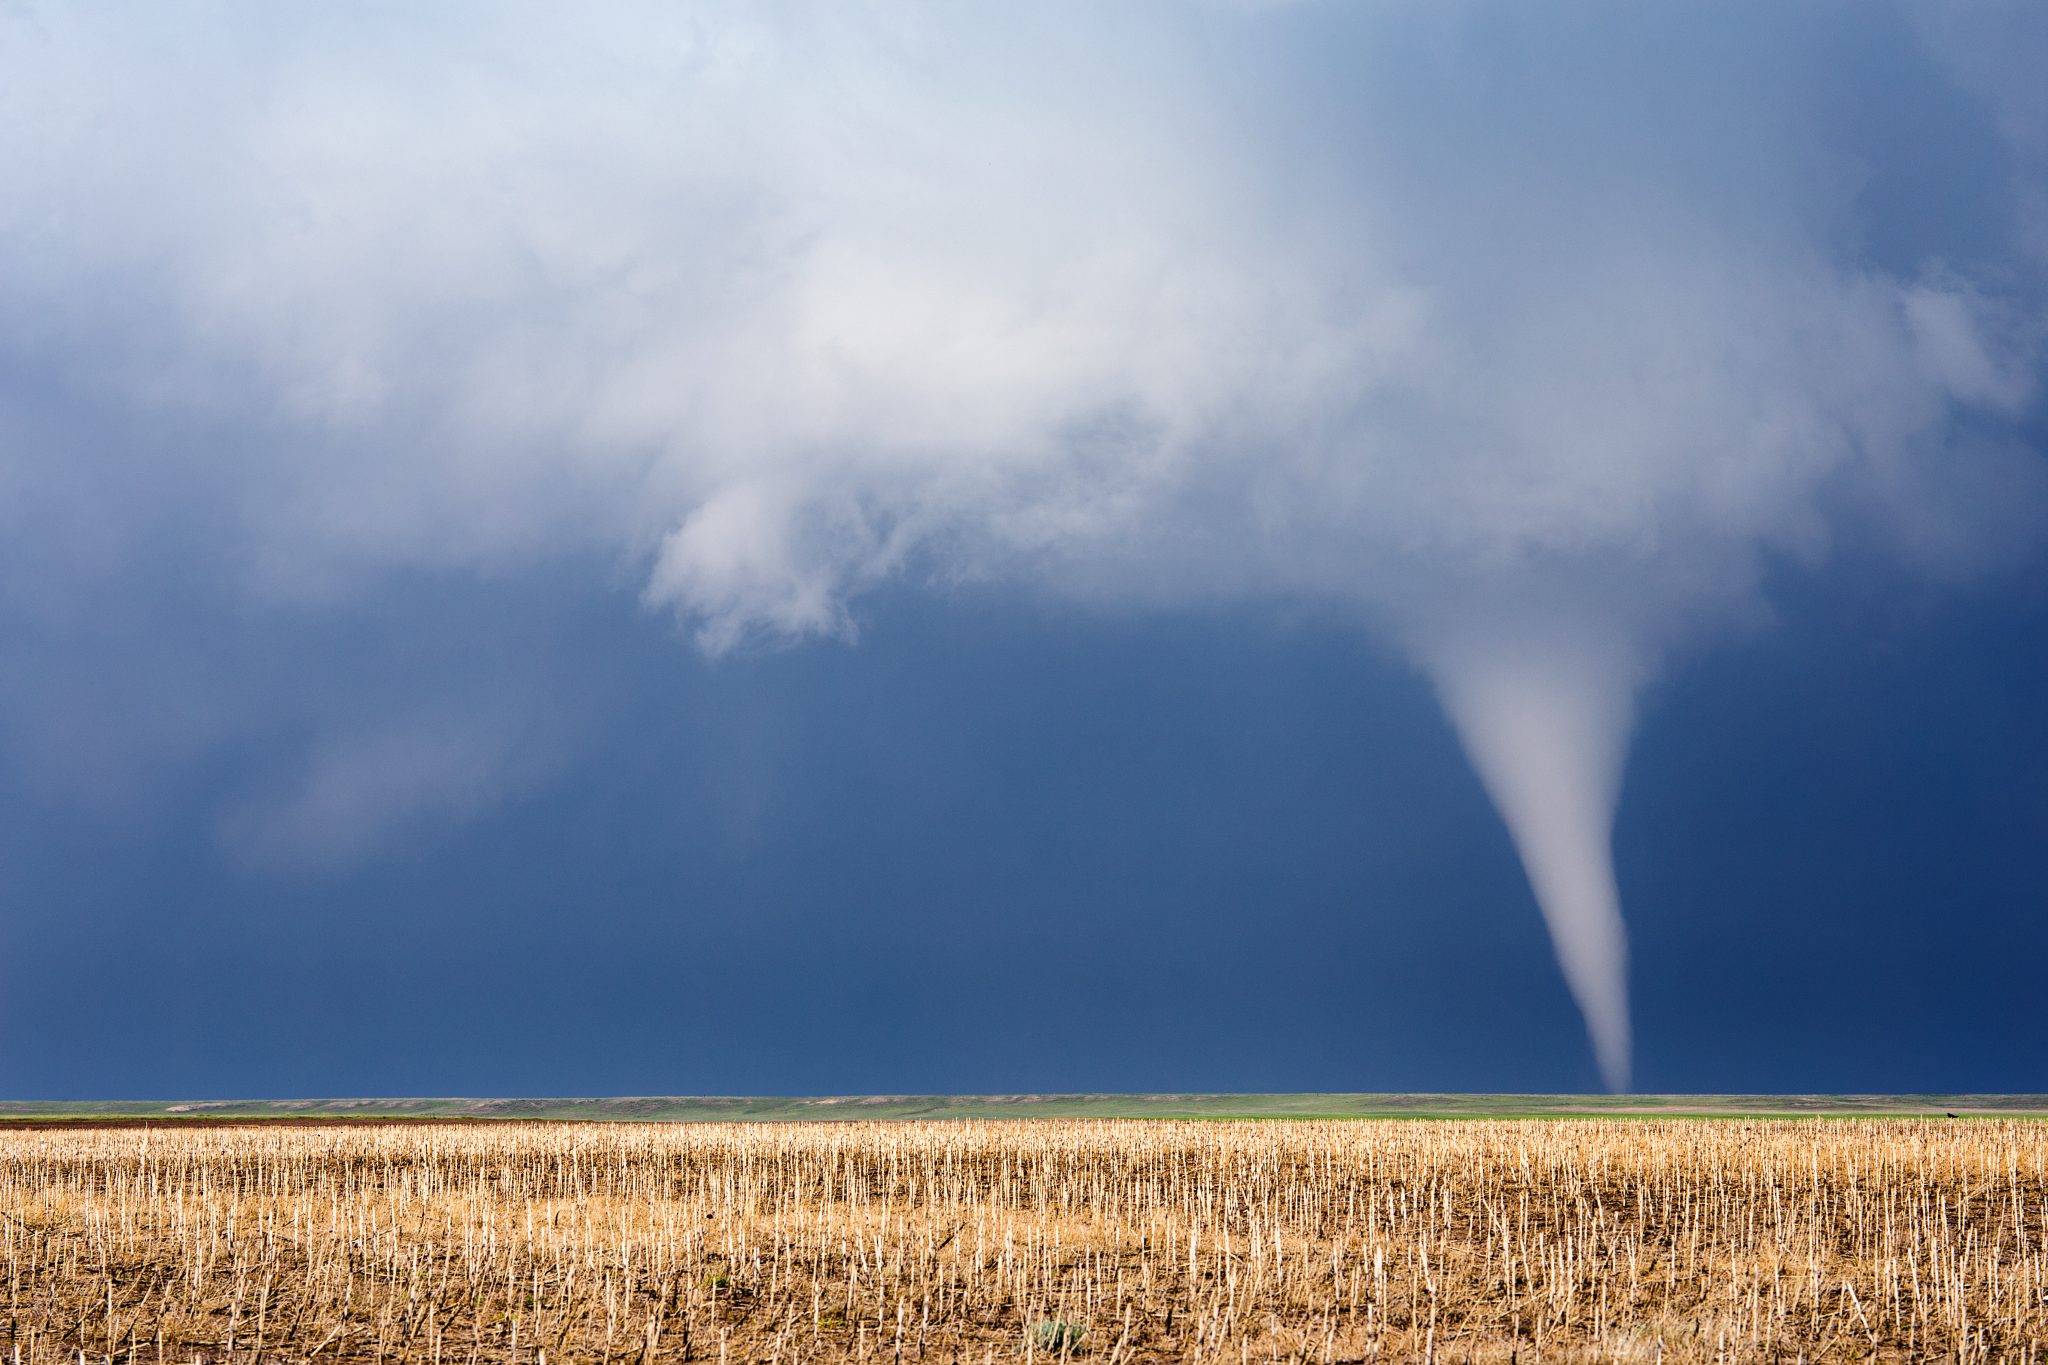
(1112, 1241)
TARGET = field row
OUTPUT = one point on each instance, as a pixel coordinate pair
(1114, 1241)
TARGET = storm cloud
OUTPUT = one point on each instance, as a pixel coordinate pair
(1533, 341)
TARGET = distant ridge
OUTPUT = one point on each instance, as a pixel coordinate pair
(1182, 1106)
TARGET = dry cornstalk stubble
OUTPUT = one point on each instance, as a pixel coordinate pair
(1110, 1241)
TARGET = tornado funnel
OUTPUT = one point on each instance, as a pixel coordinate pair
(1546, 726)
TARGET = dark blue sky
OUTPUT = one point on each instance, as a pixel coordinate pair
(808, 546)
(1005, 846)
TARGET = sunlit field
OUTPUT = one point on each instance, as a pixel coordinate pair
(985, 1241)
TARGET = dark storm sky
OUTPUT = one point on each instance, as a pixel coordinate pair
(998, 847)
(795, 548)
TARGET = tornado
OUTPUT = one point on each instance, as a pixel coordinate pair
(1545, 723)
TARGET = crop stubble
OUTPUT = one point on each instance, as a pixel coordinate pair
(940, 1241)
